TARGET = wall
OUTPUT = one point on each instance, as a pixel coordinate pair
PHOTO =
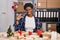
(6, 15)
(3, 16)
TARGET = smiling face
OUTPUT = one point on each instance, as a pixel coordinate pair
(29, 10)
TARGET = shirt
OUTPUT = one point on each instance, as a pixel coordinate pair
(21, 25)
(29, 23)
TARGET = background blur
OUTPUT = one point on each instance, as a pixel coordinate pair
(43, 9)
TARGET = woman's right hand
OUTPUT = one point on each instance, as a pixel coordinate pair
(17, 22)
(19, 16)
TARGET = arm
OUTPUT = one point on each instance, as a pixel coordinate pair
(17, 25)
(37, 25)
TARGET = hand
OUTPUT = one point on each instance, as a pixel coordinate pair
(17, 22)
(19, 16)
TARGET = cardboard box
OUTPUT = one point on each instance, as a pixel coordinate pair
(53, 5)
(53, 1)
(42, 5)
(52, 27)
(20, 7)
(41, 0)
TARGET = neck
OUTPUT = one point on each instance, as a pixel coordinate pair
(30, 15)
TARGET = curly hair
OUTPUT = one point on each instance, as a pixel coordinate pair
(28, 5)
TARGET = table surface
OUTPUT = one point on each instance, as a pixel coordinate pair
(3, 36)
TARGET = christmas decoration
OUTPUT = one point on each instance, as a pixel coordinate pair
(9, 32)
(30, 33)
(39, 32)
(14, 6)
(20, 32)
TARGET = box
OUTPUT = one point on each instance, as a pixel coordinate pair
(53, 1)
(52, 27)
(53, 5)
(41, 5)
(41, 0)
(20, 7)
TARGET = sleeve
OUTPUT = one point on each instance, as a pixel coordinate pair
(17, 26)
(38, 24)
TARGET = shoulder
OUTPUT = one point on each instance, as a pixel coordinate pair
(22, 19)
(36, 18)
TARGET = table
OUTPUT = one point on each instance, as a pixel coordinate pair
(17, 37)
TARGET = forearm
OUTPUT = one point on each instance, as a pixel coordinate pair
(16, 26)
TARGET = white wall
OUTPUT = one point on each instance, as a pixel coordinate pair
(3, 16)
(6, 14)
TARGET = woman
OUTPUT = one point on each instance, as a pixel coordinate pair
(28, 22)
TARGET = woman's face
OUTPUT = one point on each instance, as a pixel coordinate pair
(29, 10)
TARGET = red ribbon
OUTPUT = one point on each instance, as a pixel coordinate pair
(14, 6)
(30, 33)
(20, 32)
(39, 32)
